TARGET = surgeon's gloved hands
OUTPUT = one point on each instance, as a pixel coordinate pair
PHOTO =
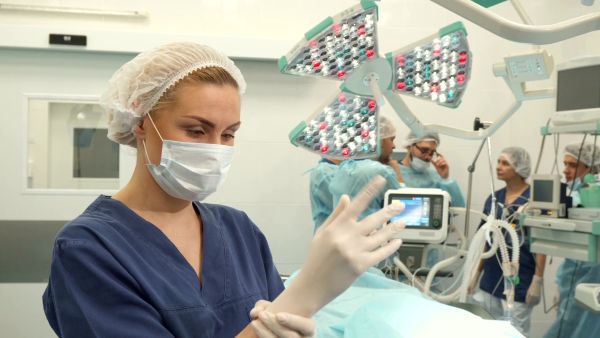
(268, 325)
(341, 250)
(534, 292)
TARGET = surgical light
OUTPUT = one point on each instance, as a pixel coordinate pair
(337, 46)
(436, 69)
(345, 128)
(344, 47)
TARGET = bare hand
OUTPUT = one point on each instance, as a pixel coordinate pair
(441, 166)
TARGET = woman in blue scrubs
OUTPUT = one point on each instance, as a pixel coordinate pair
(152, 261)
(513, 167)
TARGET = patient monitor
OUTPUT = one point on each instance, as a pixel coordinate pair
(578, 91)
(425, 213)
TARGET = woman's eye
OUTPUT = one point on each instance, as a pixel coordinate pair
(195, 132)
(229, 136)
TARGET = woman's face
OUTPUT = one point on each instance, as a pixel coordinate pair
(201, 113)
(504, 171)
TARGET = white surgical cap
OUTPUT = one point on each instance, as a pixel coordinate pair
(137, 86)
(587, 157)
(386, 128)
(519, 159)
(429, 136)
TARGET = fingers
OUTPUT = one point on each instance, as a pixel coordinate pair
(305, 327)
(270, 321)
(342, 205)
(261, 330)
(376, 219)
(385, 234)
(260, 306)
(365, 196)
(383, 252)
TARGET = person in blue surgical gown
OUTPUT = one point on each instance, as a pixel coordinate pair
(424, 167)
(322, 198)
(513, 167)
(572, 320)
(155, 261)
(321, 201)
(353, 175)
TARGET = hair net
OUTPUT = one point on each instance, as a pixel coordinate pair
(386, 128)
(587, 152)
(429, 136)
(519, 159)
(137, 86)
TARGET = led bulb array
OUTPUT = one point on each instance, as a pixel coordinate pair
(437, 70)
(338, 49)
(345, 128)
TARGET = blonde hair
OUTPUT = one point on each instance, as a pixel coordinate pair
(208, 75)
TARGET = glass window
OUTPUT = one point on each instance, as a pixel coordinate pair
(68, 147)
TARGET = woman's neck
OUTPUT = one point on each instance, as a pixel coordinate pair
(516, 185)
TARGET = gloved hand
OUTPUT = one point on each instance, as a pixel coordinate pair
(341, 250)
(534, 292)
(269, 325)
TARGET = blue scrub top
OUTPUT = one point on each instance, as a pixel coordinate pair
(321, 201)
(492, 280)
(114, 274)
(431, 179)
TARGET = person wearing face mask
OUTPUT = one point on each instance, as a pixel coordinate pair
(153, 260)
(513, 167)
(572, 320)
(424, 167)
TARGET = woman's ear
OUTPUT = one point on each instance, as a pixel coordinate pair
(139, 130)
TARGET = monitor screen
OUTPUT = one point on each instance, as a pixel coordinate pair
(543, 190)
(578, 88)
(416, 210)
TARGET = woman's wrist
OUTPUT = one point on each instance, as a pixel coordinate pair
(297, 299)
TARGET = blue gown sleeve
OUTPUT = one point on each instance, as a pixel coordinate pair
(90, 294)
(453, 189)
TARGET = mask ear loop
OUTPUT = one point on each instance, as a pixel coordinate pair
(144, 141)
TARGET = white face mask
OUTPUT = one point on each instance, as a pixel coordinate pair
(418, 164)
(190, 171)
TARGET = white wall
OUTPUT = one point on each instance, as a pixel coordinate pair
(267, 179)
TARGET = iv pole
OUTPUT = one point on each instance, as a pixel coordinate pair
(471, 169)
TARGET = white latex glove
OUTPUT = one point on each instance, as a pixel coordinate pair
(341, 250)
(534, 291)
(282, 324)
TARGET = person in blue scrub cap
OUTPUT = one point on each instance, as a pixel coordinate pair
(424, 167)
(153, 260)
(513, 167)
(572, 320)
